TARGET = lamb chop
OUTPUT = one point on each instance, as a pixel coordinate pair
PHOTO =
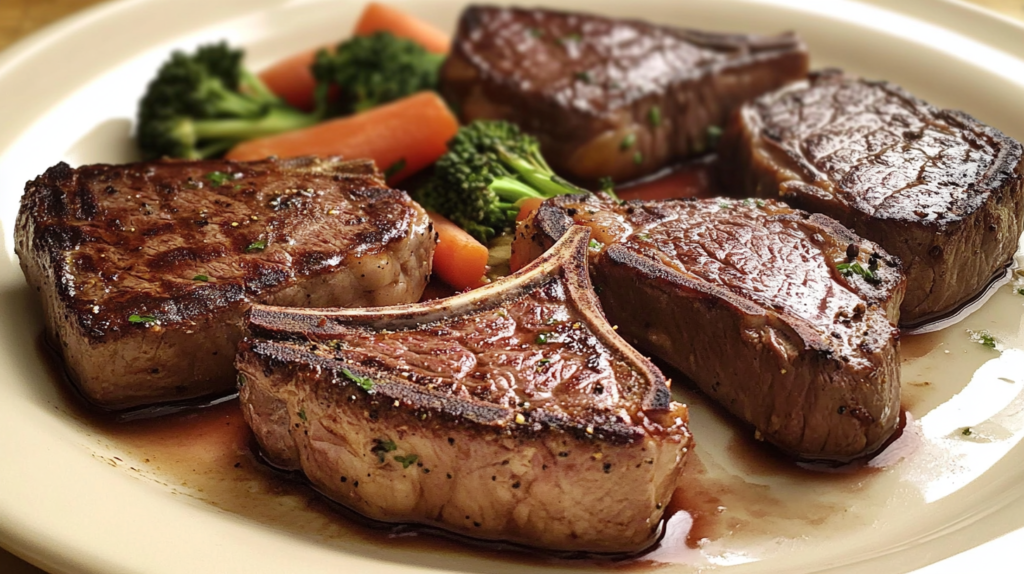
(786, 319)
(511, 412)
(607, 97)
(146, 269)
(936, 188)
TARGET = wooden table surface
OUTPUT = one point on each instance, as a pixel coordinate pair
(18, 18)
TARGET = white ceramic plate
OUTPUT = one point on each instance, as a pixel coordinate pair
(73, 499)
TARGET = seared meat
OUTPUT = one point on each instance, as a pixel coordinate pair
(511, 412)
(609, 97)
(785, 318)
(146, 269)
(934, 187)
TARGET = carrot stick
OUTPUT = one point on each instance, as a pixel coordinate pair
(292, 80)
(528, 207)
(381, 18)
(402, 137)
(459, 259)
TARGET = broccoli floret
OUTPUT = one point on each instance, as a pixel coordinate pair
(375, 69)
(200, 105)
(489, 169)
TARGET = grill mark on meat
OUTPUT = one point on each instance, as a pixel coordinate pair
(746, 300)
(583, 83)
(117, 252)
(493, 391)
(894, 169)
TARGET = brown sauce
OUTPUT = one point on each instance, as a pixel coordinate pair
(206, 451)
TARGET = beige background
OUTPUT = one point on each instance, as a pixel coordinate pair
(19, 18)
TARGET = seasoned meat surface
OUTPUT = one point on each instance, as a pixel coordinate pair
(512, 412)
(934, 187)
(609, 97)
(146, 269)
(785, 318)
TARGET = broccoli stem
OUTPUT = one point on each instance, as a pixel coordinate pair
(540, 176)
(255, 87)
(275, 121)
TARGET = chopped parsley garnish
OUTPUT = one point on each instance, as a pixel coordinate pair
(723, 205)
(141, 319)
(365, 382)
(643, 237)
(607, 185)
(714, 134)
(406, 460)
(983, 338)
(967, 431)
(218, 178)
(201, 277)
(240, 380)
(638, 158)
(760, 203)
(627, 142)
(583, 77)
(543, 361)
(595, 244)
(654, 117)
(382, 446)
(1019, 290)
(394, 168)
(848, 269)
(302, 415)
(256, 246)
(543, 338)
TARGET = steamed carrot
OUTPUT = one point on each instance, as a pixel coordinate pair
(402, 137)
(528, 207)
(292, 80)
(459, 259)
(382, 18)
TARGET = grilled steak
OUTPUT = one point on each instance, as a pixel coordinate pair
(511, 412)
(146, 269)
(936, 188)
(609, 97)
(785, 318)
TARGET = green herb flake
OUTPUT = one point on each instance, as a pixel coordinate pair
(607, 185)
(240, 380)
(983, 338)
(714, 134)
(136, 319)
(543, 338)
(407, 460)
(302, 415)
(394, 168)
(536, 32)
(654, 117)
(638, 158)
(382, 446)
(724, 205)
(365, 382)
(218, 178)
(594, 244)
(543, 361)
(848, 269)
(967, 431)
(574, 37)
(627, 142)
(583, 77)
(256, 246)
(643, 237)
(760, 203)
(1019, 290)
(201, 277)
